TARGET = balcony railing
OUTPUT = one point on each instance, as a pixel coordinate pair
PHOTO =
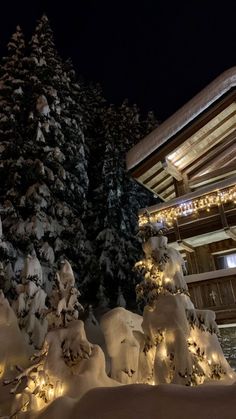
(191, 205)
(216, 291)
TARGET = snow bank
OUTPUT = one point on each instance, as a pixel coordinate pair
(139, 401)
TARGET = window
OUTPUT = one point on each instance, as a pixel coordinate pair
(226, 261)
(231, 260)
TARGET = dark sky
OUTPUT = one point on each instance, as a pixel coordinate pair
(156, 53)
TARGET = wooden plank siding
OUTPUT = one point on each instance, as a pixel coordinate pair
(218, 294)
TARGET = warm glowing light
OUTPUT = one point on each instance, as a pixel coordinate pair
(205, 202)
(163, 352)
(170, 337)
(2, 369)
(214, 357)
(59, 389)
(50, 393)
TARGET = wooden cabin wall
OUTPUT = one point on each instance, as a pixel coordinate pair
(218, 294)
(203, 260)
(222, 246)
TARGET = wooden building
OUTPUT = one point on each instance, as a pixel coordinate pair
(189, 162)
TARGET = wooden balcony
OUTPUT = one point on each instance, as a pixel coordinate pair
(216, 291)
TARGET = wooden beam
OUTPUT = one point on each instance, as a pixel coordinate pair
(150, 190)
(216, 161)
(231, 232)
(156, 173)
(201, 226)
(166, 185)
(205, 190)
(182, 187)
(214, 151)
(170, 196)
(158, 180)
(229, 159)
(150, 172)
(223, 216)
(209, 138)
(176, 231)
(214, 175)
(161, 181)
(171, 169)
(186, 246)
(183, 135)
(169, 192)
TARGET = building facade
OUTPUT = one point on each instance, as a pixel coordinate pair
(189, 162)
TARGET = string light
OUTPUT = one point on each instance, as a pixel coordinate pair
(190, 207)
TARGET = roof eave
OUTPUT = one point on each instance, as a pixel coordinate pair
(180, 119)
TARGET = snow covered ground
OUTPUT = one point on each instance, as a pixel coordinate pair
(166, 364)
(138, 401)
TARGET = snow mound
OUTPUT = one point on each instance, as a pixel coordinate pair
(151, 402)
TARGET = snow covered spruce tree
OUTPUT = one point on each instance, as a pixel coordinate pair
(114, 202)
(12, 83)
(180, 342)
(90, 103)
(44, 170)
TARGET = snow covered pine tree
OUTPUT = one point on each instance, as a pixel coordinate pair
(12, 83)
(181, 344)
(43, 166)
(114, 200)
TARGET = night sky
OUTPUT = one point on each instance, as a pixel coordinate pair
(158, 54)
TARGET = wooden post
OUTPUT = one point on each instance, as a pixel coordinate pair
(177, 232)
(182, 186)
(223, 216)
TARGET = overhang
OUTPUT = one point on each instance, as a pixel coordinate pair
(196, 145)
